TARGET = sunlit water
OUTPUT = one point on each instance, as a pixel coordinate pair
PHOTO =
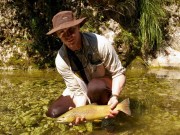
(25, 96)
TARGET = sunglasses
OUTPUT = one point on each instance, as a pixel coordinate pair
(68, 31)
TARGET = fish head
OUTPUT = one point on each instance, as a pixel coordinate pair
(65, 119)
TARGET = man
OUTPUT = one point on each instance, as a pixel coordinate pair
(89, 66)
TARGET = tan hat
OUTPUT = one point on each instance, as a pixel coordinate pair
(65, 19)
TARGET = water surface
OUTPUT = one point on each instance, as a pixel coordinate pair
(25, 96)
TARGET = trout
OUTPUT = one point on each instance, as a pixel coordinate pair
(93, 112)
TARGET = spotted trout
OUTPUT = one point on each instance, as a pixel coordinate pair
(93, 112)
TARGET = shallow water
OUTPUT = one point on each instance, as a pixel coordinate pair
(25, 96)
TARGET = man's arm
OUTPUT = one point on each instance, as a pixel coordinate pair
(113, 65)
(117, 86)
(74, 89)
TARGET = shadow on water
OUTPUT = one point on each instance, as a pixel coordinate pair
(25, 96)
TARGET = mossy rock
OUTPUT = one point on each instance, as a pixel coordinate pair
(137, 67)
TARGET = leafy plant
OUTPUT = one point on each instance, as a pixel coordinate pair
(150, 33)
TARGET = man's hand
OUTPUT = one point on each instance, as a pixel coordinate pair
(78, 120)
(79, 100)
(113, 101)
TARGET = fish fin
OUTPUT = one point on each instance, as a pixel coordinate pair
(124, 107)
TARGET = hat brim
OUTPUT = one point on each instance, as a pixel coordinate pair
(67, 25)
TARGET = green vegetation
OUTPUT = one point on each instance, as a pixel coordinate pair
(151, 35)
(141, 23)
(127, 46)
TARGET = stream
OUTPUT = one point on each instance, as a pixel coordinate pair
(154, 101)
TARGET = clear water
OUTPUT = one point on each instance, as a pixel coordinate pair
(154, 97)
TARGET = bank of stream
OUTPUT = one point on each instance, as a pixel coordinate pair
(25, 96)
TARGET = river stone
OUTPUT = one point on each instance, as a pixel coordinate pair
(138, 64)
(167, 58)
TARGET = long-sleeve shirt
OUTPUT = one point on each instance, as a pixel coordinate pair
(98, 58)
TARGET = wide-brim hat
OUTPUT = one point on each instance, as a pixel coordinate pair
(65, 19)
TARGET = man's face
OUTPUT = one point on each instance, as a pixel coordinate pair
(70, 37)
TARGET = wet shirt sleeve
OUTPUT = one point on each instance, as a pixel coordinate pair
(110, 58)
(68, 76)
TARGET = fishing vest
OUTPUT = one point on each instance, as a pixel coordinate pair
(89, 54)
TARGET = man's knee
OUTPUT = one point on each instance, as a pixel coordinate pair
(53, 113)
(60, 106)
(96, 85)
(99, 91)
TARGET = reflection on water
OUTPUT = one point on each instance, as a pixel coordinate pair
(154, 97)
(165, 73)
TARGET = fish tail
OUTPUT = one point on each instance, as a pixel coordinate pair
(124, 106)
